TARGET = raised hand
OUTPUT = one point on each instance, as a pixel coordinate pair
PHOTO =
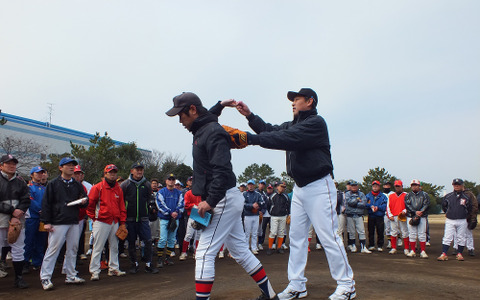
(243, 109)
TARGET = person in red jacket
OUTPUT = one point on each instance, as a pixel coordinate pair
(396, 213)
(190, 201)
(107, 210)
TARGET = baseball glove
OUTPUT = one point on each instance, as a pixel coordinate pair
(414, 221)
(122, 232)
(402, 217)
(14, 230)
(172, 225)
(238, 138)
(472, 223)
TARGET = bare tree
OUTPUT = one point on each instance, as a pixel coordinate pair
(28, 152)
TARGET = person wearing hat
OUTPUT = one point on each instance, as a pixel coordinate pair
(340, 209)
(243, 187)
(61, 221)
(107, 210)
(416, 203)
(170, 205)
(79, 176)
(356, 205)
(14, 203)
(279, 210)
(253, 205)
(265, 219)
(397, 215)
(308, 159)
(387, 190)
(376, 207)
(137, 192)
(215, 182)
(457, 206)
(472, 224)
(35, 239)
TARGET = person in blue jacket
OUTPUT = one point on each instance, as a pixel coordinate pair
(376, 206)
(254, 204)
(35, 240)
(170, 208)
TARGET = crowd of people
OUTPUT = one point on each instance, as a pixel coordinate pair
(148, 216)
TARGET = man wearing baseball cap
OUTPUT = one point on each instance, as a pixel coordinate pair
(14, 202)
(35, 240)
(457, 206)
(376, 206)
(416, 203)
(308, 159)
(107, 211)
(397, 214)
(254, 204)
(215, 183)
(137, 192)
(61, 221)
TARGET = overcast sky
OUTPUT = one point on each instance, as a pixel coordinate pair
(398, 81)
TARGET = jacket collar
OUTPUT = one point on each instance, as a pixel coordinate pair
(302, 115)
(202, 121)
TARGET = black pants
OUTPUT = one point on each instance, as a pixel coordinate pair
(378, 224)
(181, 231)
(265, 222)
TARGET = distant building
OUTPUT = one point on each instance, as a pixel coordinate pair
(57, 138)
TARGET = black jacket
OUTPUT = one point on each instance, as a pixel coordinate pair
(417, 202)
(138, 199)
(456, 205)
(212, 169)
(306, 141)
(14, 194)
(54, 204)
(280, 205)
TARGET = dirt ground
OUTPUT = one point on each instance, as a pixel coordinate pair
(377, 276)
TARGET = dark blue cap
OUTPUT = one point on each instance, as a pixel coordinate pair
(36, 170)
(67, 160)
(262, 181)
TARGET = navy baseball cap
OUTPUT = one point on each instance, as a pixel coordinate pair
(306, 92)
(137, 165)
(36, 170)
(353, 182)
(67, 160)
(251, 181)
(7, 158)
(457, 181)
(183, 100)
(171, 176)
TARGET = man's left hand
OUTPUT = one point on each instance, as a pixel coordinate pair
(203, 207)
(174, 214)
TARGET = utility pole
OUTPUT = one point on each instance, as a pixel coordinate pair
(50, 113)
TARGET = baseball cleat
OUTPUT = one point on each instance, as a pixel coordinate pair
(371, 248)
(406, 252)
(423, 254)
(342, 295)
(318, 247)
(460, 257)
(353, 249)
(471, 252)
(74, 280)
(392, 251)
(95, 277)
(260, 247)
(221, 254)
(427, 244)
(411, 254)
(183, 256)
(442, 257)
(288, 294)
(265, 297)
(47, 284)
(117, 273)
(255, 252)
(379, 249)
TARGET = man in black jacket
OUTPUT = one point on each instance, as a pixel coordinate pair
(214, 181)
(137, 192)
(314, 200)
(14, 202)
(61, 221)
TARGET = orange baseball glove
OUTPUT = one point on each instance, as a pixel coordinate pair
(14, 230)
(122, 232)
(238, 138)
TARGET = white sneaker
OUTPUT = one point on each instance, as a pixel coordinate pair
(371, 248)
(365, 250)
(260, 247)
(406, 252)
(255, 252)
(318, 247)
(341, 294)
(183, 256)
(427, 244)
(117, 273)
(89, 252)
(47, 284)
(392, 251)
(74, 280)
(354, 249)
(411, 254)
(274, 246)
(288, 294)
(423, 254)
(389, 246)
(221, 254)
(95, 277)
(284, 246)
(380, 249)
(177, 246)
(123, 255)
(172, 254)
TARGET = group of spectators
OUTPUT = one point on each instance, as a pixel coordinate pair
(54, 217)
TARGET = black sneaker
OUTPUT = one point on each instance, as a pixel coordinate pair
(269, 251)
(281, 251)
(264, 297)
(151, 270)
(160, 263)
(20, 283)
(471, 252)
(133, 269)
(168, 261)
